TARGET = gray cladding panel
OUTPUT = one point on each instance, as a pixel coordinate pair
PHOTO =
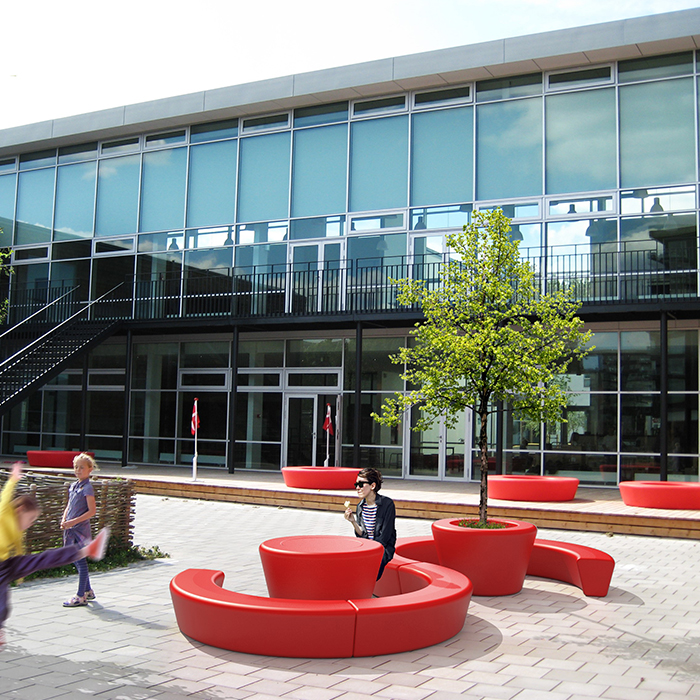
(20, 134)
(97, 121)
(674, 24)
(448, 60)
(344, 77)
(165, 108)
(565, 41)
(249, 93)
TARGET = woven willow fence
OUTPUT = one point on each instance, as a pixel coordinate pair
(116, 506)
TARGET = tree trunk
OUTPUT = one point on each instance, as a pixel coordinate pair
(483, 488)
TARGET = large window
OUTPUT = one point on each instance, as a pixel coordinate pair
(258, 430)
(657, 133)
(320, 170)
(117, 195)
(509, 149)
(35, 206)
(163, 190)
(442, 152)
(7, 208)
(378, 372)
(75, 201)
(379, 164)
(581, 144)
(212, 194)
(264, 178)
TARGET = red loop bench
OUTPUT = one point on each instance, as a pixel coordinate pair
(585, 567)
(62, 459)
(420, 604)
(674, 495)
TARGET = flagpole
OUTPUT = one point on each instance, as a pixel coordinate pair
(194, 458)
(327, 426)
(195, 430)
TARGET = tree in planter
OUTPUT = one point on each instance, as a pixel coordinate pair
(490, 335)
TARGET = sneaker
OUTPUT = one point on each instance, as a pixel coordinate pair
(90, 595)
(97, 548)
(75, 602)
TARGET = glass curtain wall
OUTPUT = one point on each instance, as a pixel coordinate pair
(381, 446)
(614, 409)
(603, 136)
(612, 429)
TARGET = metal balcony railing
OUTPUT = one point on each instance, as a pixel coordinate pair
(631, 274)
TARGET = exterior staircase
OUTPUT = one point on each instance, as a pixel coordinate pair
(39, 348)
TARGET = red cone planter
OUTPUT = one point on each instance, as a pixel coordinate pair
(495, 560)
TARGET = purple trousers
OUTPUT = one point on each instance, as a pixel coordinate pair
(17, 567)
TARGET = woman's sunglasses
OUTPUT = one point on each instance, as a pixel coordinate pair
(360, 484)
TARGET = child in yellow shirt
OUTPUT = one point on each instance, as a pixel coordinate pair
(11, 536)
(16, 516)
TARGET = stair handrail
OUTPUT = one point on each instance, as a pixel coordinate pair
(10, 360)
(39, 311)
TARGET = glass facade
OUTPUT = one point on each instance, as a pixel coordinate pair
(611, 432)
(311, 211)
(603, 144)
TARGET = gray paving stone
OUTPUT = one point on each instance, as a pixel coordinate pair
(36, 692)
(548, 642)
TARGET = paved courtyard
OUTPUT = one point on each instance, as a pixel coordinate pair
(549, 642)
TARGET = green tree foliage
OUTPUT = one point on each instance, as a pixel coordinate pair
(5, 271)
(490, 335)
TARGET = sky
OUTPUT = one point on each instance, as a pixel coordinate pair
(64, 58)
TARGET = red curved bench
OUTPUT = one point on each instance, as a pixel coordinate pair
(331, 478)
(53, 458)
(428, 605)
(585, 567)
(254, 625)
(526, 487)
(418, 548)
(422, 604)
(674, 495)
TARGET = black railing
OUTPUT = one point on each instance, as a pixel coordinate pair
(42, 356)
(46, 303)
(632, 274)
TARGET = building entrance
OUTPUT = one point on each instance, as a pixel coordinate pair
(308, 443)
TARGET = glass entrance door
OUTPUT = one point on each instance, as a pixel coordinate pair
(441, 452)
(316, 282)
(308, 444)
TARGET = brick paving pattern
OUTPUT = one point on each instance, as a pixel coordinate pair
(549, 642)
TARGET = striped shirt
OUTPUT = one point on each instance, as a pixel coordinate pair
(369, 517)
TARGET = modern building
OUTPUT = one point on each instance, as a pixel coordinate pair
(241, 243)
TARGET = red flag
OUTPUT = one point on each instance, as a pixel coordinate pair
(195, 418)
(327, 424)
